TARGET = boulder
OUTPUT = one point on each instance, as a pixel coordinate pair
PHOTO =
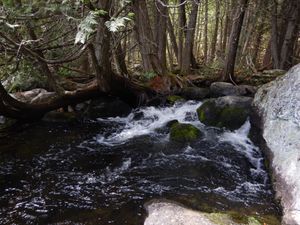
(195, 93)
(219, 89)
(230, 112)
(247, 90)
(168, 213)
(184, 132)
(278, 105)
(108, 107)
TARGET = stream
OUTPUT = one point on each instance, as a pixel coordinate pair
(103, 171)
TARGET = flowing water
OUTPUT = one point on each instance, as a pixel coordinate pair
(103, 171)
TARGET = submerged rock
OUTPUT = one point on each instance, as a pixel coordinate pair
(195, 93)
(278, 105)
(230, 112)
(184, 132)
(167, 213)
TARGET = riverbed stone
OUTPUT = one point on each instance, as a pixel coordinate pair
(170, 213)
(278, 105)
(184, 132)
(195, 93)
(230, 112)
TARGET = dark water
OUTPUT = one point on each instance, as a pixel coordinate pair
(102, 172)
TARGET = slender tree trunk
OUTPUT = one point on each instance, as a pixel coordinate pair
(215, 35)
(257, 43)
(206, 32)
(144, 34)
(274, 36)
(226, 25)
(290, 36)
(228, 73)
(182, 30)
(173, 38)
(190, 34)
(161, 33)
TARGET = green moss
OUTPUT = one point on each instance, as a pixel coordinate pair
(182, 132)
(253, 221)
(232, 218)
(172, 99)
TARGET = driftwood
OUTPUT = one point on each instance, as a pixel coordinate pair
(130, 92)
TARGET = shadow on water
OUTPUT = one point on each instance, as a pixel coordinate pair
(103, 171)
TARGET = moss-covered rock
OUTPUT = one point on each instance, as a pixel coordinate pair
(183, 132)
(172, 99)
(224, 112)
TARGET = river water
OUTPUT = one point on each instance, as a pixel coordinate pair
(103, 171)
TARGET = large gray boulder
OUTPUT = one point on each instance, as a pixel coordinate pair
(168, 213)
(278, 105)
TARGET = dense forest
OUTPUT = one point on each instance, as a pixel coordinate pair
(137, 49)
(154, 112)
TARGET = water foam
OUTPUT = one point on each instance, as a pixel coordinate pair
(151, 118)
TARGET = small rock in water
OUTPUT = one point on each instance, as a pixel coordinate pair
(183, 132)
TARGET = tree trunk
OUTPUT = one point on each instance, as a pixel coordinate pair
(161, 33)
(290, 36)
(173, 38)
(190, 34)
(206, 32)
(215, 35)
(274, 36)
(228, 73)
(145, 38)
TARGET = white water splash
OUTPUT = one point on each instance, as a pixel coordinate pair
(240, 140)
(151, 119)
